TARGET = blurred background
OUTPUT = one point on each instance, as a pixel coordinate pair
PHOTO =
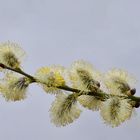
(103, 32)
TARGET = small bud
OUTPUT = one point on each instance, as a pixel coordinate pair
(137, 105)
(133, 91)
(2, 65)
(98, 84)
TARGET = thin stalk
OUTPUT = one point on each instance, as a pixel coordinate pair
(18, 70)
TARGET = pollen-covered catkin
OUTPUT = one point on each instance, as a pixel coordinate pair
(83, 76)
(119, 81)
(14, 87)
(64, 110)
(89, 102)
(50, 78)
(11, 54)
(115, 111)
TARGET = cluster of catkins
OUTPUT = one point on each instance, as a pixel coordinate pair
(116, 84)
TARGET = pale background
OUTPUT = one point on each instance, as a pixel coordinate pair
(104, 32)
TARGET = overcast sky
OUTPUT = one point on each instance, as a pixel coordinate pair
(103, 32)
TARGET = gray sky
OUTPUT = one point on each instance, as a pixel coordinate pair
(104, 32)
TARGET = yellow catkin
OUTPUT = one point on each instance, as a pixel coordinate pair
(83, 76)
(119, 81)
(115, 111)
(11, 54)
(14, 87)
(64, 110)
(89, 102)
(51, 78)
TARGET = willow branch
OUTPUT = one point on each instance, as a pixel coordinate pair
(99, 94)
(18, 70)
